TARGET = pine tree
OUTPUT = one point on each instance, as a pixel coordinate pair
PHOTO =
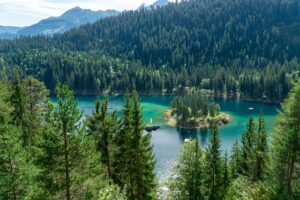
(122, 175)
(144, 179)
(99, 127)
(286, 147)
(18, 101)
(36, 95)
(225, 175)
(188, 178)
(89, 174)
(5, 107)
(16, 172)
(261, 150)
(235, 161)
(67, 116)
(249, 143)
(214, 165)
(50, 156)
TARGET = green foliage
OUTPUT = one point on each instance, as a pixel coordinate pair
(249, 142)
(18, 100)
(121, 165)
(286, 148)
(5, 107)
(112, 192)
(235, 161)
(262, 151)
(187, 180)
(191, 106)
(67, 116)
(103, 127)
(214, 166)
(143, 179)
(17, 175)
(225, 175)
(244, 189)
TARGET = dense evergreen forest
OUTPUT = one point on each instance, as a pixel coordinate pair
(236, 48)
(48, 151)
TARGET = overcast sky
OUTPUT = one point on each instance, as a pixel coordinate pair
(28, 12)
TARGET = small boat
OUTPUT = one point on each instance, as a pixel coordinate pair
(187, 140)
(151, 128)
(250, 108)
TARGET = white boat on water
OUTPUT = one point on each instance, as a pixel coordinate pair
(250, 108)
(187, 140)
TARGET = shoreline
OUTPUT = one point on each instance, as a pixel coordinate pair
(223, 119)
(217, 96)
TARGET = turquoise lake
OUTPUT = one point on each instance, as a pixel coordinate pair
(168, 140)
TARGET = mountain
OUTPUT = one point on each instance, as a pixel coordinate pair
(8, 31)
(158, 3)
(70, 19)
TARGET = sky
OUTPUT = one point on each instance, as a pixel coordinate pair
(28, 12)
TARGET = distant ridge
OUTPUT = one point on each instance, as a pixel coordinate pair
(72, 18)
(8, 32)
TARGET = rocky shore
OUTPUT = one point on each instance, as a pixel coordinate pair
(203, 122)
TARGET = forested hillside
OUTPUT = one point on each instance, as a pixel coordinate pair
(247, 48)
(48, 151)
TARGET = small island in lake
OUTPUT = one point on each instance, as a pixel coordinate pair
(195, 110)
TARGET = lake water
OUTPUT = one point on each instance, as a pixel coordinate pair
(168, 140)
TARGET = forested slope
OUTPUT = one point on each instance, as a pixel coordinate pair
(246, 47)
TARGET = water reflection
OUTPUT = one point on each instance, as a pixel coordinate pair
(202, 135)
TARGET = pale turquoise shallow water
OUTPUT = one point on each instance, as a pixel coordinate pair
(168, 140)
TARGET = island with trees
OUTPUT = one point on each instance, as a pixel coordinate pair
(195, 110)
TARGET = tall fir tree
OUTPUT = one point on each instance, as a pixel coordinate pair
(249, 143)
(188, 179)
(50, 156)
(122, 175)
(214, 165)
(36, 94)
(286, 148)
(68, 117)
(17, 174)
(225, 175)
(104, 126)
(235, 163)
(261, 151)
(18, 101)
(144, 178)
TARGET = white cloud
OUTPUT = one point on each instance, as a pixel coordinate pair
(27, 12)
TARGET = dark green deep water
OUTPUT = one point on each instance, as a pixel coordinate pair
(168, 140)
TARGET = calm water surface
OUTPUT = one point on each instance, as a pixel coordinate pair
(168, 140)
